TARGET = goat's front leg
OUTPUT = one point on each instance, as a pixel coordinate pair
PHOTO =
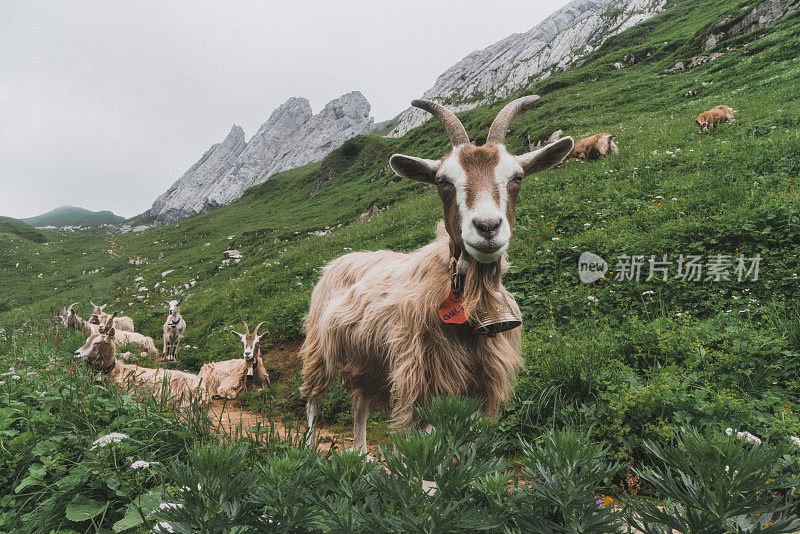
(312, 412)
(360, 407)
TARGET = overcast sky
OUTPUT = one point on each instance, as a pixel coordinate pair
(105, 104)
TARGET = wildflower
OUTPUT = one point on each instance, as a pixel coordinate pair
(587, 224)
(647, 293)
(32, 373)
(2, 382)
(746, 436)
(796, 440)
(592, 298)
(15, 377)
(126, 355)
(114, 437)
(608, 501)
(140, 464)
(555, 239)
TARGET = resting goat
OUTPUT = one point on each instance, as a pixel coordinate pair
(71, 319)
(99, 351)
(174, 329)
(123, 337)
(378, 318)
(99, 316)
(709, 119)
(594, 147)
(227, 378)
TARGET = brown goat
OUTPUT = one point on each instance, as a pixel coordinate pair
(99, 316)
(99, 352)
(374, 317)
(227, 378)
(709, 119)
(594, 147)
(71, 319)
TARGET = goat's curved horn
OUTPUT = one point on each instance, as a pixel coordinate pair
(259, 326)
(92, 303)
(455, 130)
(246, 329)
(499, 128)
(73, 304)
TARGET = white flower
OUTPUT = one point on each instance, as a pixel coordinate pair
(647, 293)
(796, 440)
(140, 464)
(746, 436)
(592, 298)
(114, 437)
(555, 239)
(2, 382)
(15, 377)
(587, 224)
(33, 373)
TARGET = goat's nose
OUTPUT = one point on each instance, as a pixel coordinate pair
(487, 227)
(77, 354)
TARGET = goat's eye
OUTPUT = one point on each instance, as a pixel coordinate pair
(442, 181)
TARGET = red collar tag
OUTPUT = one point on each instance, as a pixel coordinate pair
(451, 310)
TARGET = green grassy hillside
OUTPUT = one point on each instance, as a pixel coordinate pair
(15, 228)
(73, 216)
(632, 360)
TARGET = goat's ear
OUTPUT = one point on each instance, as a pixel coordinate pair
(238, 336)
(419, 169)
(180, 302)
(110, 332)
(546, 157)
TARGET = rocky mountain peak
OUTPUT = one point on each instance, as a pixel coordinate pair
(500, 69)
(292, 136)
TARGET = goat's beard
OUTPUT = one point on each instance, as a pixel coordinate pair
(481, 283)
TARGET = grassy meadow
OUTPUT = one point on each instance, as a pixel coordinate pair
(642, 367)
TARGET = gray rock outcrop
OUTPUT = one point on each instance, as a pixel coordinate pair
(291, 137)
(504, 67)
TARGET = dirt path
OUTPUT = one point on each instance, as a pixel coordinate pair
(233, 418)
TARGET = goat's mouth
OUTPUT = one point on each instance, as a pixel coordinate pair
(484, 253)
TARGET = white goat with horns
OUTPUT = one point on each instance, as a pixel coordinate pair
(403, 328)
(227, 378)
(174, 328)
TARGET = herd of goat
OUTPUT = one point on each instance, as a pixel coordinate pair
(218, 379)
(398, 328)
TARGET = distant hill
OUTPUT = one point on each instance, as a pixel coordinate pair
(73, 216)
(20, 229)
